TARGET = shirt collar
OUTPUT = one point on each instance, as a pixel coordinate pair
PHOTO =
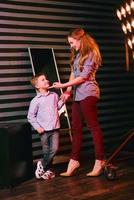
(40, 94)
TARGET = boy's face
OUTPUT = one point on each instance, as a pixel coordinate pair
(42, 83)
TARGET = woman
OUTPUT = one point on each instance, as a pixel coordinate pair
(84, 60)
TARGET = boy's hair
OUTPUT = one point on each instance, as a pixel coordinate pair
(35, 79)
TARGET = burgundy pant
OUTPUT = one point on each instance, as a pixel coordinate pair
(86, 110)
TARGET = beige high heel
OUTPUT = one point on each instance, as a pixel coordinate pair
(97, 169)
(72, 167)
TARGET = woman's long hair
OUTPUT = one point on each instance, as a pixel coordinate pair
(88, 48)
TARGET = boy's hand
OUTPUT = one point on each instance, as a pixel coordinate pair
(65, 96)
(40, 130)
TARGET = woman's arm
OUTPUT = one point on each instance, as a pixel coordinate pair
(72, 81)
(69, 89)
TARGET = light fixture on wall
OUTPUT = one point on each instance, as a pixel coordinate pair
(126, 16)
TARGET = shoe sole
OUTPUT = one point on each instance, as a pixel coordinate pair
(48, 178)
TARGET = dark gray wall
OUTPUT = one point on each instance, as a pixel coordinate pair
(45, 23)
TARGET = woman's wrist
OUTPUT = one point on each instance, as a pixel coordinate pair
(68, 92)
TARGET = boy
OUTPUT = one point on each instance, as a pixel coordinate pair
(44, 117)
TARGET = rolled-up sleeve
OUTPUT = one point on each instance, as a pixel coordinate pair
(88, 69)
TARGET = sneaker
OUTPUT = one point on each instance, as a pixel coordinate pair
(39, 170)
(48, 175)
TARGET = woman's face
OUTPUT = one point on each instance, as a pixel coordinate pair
(75, 44)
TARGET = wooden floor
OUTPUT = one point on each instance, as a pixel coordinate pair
(78, 187)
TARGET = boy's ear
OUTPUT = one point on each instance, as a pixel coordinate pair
(36, 86)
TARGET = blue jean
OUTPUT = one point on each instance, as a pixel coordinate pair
(50, 145)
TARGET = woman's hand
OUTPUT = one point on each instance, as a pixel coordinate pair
(65, 96)
(57, 85)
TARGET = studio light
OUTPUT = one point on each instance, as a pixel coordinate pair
(119, 14)
(128, 9)
(132, 5)
(125, 15)
(123, 11)
(124, 28)
(130, 43)
(129, 28)
(132, 23)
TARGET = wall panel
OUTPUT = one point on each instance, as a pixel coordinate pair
(45, 23)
